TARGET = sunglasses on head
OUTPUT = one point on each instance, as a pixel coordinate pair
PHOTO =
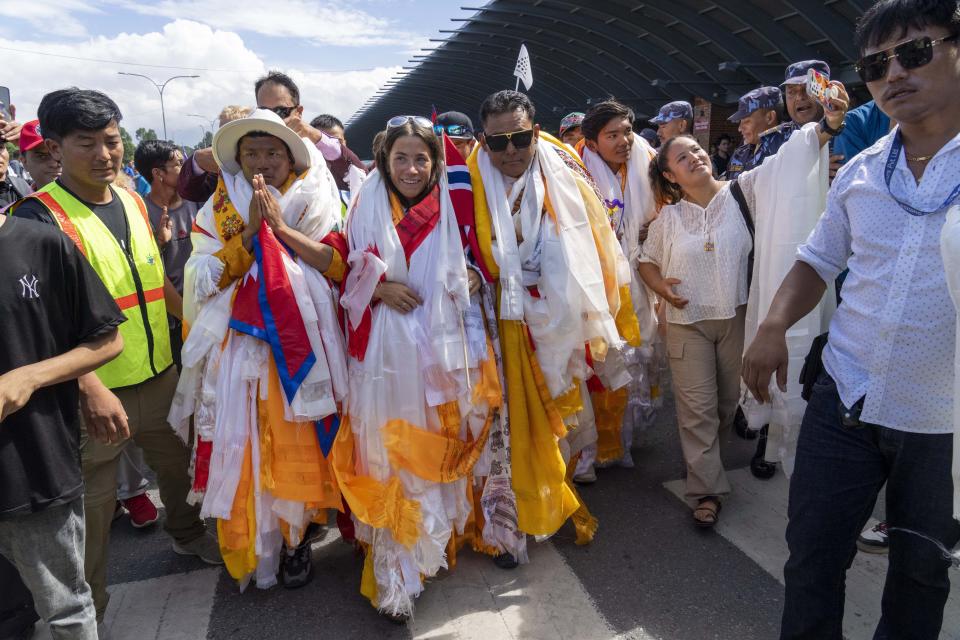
(499, 141)
(453, 130)
(911, 54)
(399, 121)
(283, 112)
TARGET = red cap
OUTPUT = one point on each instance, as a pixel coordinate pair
(30, 136)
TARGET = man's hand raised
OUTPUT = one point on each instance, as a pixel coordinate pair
(296, 122)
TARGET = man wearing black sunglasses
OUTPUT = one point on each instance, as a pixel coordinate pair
(278, 92)
(542, 229)
(882, 410)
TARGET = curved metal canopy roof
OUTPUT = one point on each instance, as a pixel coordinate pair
(644, 53)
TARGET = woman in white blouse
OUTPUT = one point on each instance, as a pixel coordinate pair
(695, 257)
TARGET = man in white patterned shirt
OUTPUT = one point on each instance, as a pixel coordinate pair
(881, 411)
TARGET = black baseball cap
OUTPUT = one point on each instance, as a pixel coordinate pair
(455, 124)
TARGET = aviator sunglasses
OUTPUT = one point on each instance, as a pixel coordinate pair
(499, 142)
(283, 112)
(399, 121)
(912, 54)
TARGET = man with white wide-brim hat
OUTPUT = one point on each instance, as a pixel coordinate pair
(264, 364)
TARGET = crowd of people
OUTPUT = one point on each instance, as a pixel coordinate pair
(441, 345)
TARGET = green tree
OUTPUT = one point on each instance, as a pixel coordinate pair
(128, 147)
(145, 134)
(207, 140)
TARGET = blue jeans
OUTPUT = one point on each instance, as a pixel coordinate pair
(46, 547)
(839, 472)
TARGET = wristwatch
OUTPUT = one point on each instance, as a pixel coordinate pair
(830, 131)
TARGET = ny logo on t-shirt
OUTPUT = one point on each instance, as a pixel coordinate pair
(28, 286)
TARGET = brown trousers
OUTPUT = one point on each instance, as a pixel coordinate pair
(147, 405)
(705, 362)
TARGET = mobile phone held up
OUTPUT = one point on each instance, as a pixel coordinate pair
(819, 87)
(5, 104)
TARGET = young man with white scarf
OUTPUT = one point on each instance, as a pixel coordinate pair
(619, 161)
(264, 400)
(560, 291)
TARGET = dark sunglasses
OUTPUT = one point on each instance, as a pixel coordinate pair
(499, 142)
(283, 112)
(453, 130)
(912, 54)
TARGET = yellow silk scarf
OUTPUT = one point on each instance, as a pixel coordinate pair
(545, 500)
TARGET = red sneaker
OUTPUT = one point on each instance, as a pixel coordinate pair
(142, 511)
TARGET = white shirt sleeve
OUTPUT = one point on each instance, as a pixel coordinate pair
(652, 250)
(748, 182)
(829, 246)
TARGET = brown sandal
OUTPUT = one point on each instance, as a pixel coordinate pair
(707, 512)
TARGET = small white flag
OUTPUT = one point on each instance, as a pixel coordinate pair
(524, 71)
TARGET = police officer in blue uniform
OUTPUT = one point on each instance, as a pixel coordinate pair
(675, 118)
(758, 113)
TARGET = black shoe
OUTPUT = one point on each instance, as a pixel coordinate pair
(505, 561)
(759, 467)
(741, 427)
(396, 618)
(296, 566)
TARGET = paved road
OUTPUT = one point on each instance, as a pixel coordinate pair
(648, 575)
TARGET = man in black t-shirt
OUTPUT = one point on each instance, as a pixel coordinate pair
(82, 130)
(59, 323)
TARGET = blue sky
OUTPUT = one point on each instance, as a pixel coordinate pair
(339, 52)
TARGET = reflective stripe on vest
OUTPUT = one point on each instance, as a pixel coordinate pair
(134, 278)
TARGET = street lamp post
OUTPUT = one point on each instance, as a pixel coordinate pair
(205, 119)
(160, 88)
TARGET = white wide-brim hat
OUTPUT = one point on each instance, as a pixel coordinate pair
(226, 139)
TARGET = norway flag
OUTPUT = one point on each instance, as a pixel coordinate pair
(461, 195)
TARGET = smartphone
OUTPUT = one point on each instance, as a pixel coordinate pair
(5, 103)
(818, 86)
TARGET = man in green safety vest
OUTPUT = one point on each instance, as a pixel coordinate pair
(129, 396)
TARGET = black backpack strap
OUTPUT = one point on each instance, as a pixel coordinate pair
(737, 193)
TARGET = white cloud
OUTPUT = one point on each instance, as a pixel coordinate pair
(50, 17)
(29, 76)
(318, 23)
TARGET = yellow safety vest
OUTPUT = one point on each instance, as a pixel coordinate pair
(134, 277)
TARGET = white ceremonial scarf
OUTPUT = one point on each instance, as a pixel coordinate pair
(790, 195)
(950, 250)
(638, 210)
(223, 370)
(638, 202)
(312, 206)
(572, 309)
(370, 224)
(413, 363)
